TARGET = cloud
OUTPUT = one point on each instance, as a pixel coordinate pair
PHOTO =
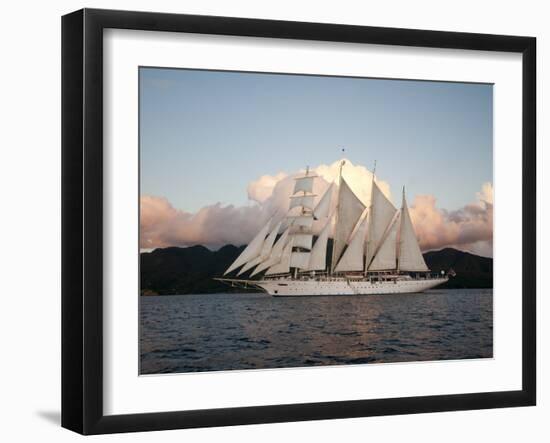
(358, 177)
(215, 225)
(486, 194)
(469, 228)
(162, 225)
(260, 190)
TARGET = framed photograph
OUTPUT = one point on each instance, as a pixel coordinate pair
(268, 221)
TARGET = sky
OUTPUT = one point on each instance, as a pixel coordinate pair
(206, 137)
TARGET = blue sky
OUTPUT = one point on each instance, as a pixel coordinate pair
(205, 135)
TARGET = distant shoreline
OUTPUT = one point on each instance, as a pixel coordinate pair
(191, 270)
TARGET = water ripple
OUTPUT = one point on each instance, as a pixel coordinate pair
(213, 332)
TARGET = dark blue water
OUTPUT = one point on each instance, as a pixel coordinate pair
(213, 332)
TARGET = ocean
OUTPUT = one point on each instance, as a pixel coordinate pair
(230, 331)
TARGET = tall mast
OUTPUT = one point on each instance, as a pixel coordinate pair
(304, 191)
(300, 225)
(400, 231)
(370, 215)
(333, 259)
(410, 255)
(303, 211)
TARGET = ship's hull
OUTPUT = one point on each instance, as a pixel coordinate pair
(312, 287)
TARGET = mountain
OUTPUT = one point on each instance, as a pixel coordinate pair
(191, 270)
(185, 270)
(472, 271)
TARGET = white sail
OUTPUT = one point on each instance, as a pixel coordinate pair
(353, 257)
(284, 264)
(350, 209)
(386, 256)
(410, 257)
(302, 200)
(250, 265)
(323, 207)
(381, 214)
(300, 223)
(268, 244)
(275, 256)
(304, 184)
(299, 260)
(302, 240)
(383, 232)
(318, 257)
(265, 252)
(252, 250)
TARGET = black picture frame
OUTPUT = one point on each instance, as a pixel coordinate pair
(82, 218)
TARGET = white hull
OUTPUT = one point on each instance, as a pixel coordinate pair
(286, 287)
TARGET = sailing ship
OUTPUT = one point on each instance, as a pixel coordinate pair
(374, 248)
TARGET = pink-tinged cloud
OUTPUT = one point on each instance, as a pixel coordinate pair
(469, 228)
(260, 190)
(162, 225)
